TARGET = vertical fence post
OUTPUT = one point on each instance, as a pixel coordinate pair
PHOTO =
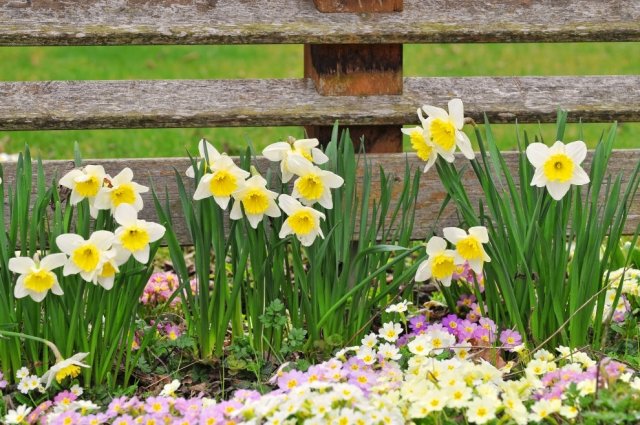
(357, 70)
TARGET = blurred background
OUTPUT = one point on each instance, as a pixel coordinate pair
(285, 61)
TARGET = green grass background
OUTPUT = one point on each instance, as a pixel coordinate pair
(284, 61)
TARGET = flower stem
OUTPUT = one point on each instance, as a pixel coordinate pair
(49, 344)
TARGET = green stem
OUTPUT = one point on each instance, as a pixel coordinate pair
(49, 344)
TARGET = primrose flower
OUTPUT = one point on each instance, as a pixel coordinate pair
(400, 307)
(390, 331)
(84, 183)
(469, 245)
(482, 410)
(207, 153)
(64, 368)
(445, 129)
(256, 200)
(85, 256)
(441, 263)
(18, 416)
(284, 151)
(224, 179)
(510, 338)
(558, 167)
(422, 144)
(120, 189)
(313, 183)
(134, 235)
(302, 221)
(36, 277)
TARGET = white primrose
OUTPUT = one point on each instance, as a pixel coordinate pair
(313, 184)
(283, 151)
(256, 200)
(86, 257)
(224, 179)
(304, 222)
(134, 236)
(36, 277)
(445, 129)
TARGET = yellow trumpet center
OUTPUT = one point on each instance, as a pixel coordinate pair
(442, 266)
(302, 222)
(107, 270)
(39, 280)
(134, 238)
(419, 144)
(223, 183)
(306, 153)
(310, 186)
(71, 370)
(89, 187)
(86, 257)
(443, 133)
(255, 202)
(469, 248)
(558, 167)
(123, 194)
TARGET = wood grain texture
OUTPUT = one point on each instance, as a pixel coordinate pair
(211, 103)
(342, 6)
(431, 194)
(114, 22)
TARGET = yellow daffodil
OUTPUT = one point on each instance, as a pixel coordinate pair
(86, 257)
(36, 276)
(469, 245)
(134, 236)
(422, 144)
(444, 129)
(558, 167)
(224, 179)
(256, 200)
(313, 184)
(121, 189)
(441, 263)
(283, 151)
(64, 368)
(304, 222)
(84, 183)
(207, 153)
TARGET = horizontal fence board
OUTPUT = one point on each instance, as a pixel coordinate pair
(113, 22)
(161, 172)
(222, 103)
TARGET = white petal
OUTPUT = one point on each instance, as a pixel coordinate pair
(436, 245)
(447, 155)
(75, 197)
(254, 219)
(285, 230)
(456, 113)
(106, 282)
(454, 234)
(435, 112)
(300, 165)
(37, 296)
(307, 240)
(557, 190)
(430, 162)
(103, 199)
(423, 120)
(207, 151)
(539, 178)
(273, 210)
(53, 261)
(203, 191)
(222, 201)
(318, 156)
(20, 291)
(326, 200)
(124, 176)
(464, 144)
(580, 177)
(332, 180)
(276, 151)
(576, 151)
(156, 231)
(68, 242)
(95, 170)
(286, 173)
(142, 255)
(288, 204)
(476, 265)
(424, 271)
(140, 188)
(56, 289)
(190, 172)
(21, 265)
(306, 144)
(558, 147)
(68, 180)
(70, 268)
(446, 281)
(479, 232)
(537, 154)
(103, 239)
(126, 215)
(236, 211)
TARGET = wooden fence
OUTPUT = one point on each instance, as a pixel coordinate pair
(353, 71)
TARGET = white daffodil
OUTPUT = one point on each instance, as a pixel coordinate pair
(303, 221)
(85, 256)
(84, 183)
(313, 184)
(256, 200)
(107, 274)
(207, 153)
(63, 369)
(469, 245)
(133, 235)
(558, 167)
(440, 264)
(283, 151)
(36, 277)
(445, 129)
(224, 179)
(421, 143)
(121, 189)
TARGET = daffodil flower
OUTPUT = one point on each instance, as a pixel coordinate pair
(107, 274)
(304, 222)
(445, 129)
(36, 277)
(207, 153)
(256, 200)
(134, 236)
(224, 179)
(121, 189)
(422, 144)
(469, 245)
(558, 167)
(441, 263)
(64, 368)
(313, 184)
(84, 183)
(283, 151)
(86, 257)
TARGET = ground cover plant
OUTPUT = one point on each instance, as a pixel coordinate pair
(288, 310)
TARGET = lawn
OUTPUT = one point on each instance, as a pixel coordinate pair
(195, 62)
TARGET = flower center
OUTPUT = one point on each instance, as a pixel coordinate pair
(443, 133)
(107, 270)
(89, 187)
(86, 257)
(482, 412)
(71, 370)
(134, 238)
(255, 202)
(306, 153)
(310, 186)
(558, 167)
(419, 144)
(302, 222)
(39, 280)
(469, 248)
(223, 183)
(442, 266)
(123, 194)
